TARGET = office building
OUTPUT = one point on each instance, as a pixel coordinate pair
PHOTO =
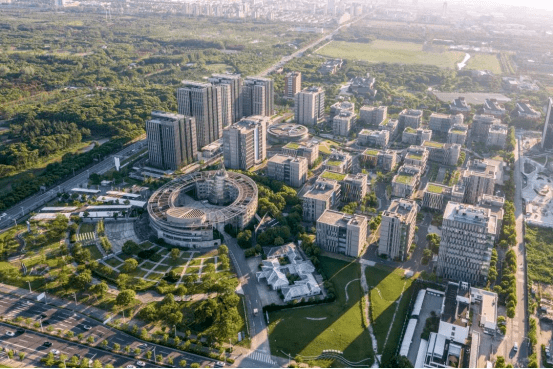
(338, 161)
(245, 143)
(446, 154)
(378, 139)
(342, 233)
(493, 107)
(417, 156)
(258, 96)
(204, 102)
(459, 105)
(547, 136)
(406, 182)
(342, 106)
(468, 235)
(373, 115)
(481, 124)
(415, 136)
(435, 196)
(323, 195)
(497, 135)
(234, 83)
(310, 106)
(309, 150)
(397, 229)
(479, 179)
(457, 134)
(525, 110)
(292, 171)
(363, 86)
(342, 123)
(292, 84)
(391, 126)
(410, 118)
(171, 140)
(443, 122)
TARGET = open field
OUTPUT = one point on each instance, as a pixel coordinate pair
(381, 51)
(539, 253)
(340, 328)
(387, 286)
(484, 61)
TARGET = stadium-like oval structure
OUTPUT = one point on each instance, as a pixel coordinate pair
(185, 211)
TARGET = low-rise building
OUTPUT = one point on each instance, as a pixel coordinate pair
(525, 110)
(390, 126)
(397, 229)
(342, 123)
(338, 161)
(493, 107)
(406, 181)
(308, 149)
(443, 122)
(323, 195)
(363, 86)
(410, 118)
(497, 135)
(342, 233)
(417, 156)
(330, 66)
(459, 105)
(435, 196)
(342, 106)
(373, 138)
(457, 134)
(373, 115)
(446, 154)
(288, 169)
(416, 136)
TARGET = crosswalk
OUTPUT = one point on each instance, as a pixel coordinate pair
(262, 357)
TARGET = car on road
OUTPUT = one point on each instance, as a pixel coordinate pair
(219, 364)
(547, 352)
(10, 334)
(131, 366)
(515, 347)
(87, 327)
(55, 352)
(47, 344)
(255, 311)
(141, 364)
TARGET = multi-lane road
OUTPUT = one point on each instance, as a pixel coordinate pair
(66, 320)
(32, 203)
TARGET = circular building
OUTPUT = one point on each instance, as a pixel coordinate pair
(185, 211)
(287, 132)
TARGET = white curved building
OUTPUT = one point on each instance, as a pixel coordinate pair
(185, 211)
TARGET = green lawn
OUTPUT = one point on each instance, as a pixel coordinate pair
(155, 276)
(539, 254)
(484, 61)
(333, 175)
(113, 262)
(95, 254)
(389, 285)
(381, 51)
(162, 268)
(138, 273)
(341, 325)
(192, 270)
(148, 265)
(87, 227)
(403, 178)
(435, 189)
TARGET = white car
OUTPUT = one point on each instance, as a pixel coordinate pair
(131, 366)
(55, 352)
(87, 327)
(141, 363)
(10, 334)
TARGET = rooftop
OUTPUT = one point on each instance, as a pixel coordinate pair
(434, 188)
(371, 152)
(323, 189)
(403, 178)
(341, 219)
(434, 144)
(333, 175)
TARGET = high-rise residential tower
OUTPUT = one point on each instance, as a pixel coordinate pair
(258, 96)
(310, 106)
(292, 84)
(234, 81)
(397, 229)
(171, 140)
(245, 143)
(204, 102)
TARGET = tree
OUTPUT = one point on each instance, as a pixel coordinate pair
(244, 239)
(82, 280)
(97, 364)
(223, 249)
(100, 288)
(175, 254)
(500, 362)
(130, 265)
(182, 363)
(130, 247)
(122, 281)
(116, 347)
(181, 291)
(125, 297)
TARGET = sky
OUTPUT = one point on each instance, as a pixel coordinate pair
(538, 4)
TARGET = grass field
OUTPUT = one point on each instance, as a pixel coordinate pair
(539, 253)
(340, 327)
(95, 254)
(381, 51)
(389, 286)
(87, 228)
(484, 61)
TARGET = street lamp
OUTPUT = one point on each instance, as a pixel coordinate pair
(29, 286)
(175, 326)
(22, 211)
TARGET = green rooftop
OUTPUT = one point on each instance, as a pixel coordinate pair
(292, 145)
(403, 178)
(372, 152)
(459, 132)
(333, 175)
(410, 130)
(334, 163)
(433, 144)
(414, 156)
(434, 189)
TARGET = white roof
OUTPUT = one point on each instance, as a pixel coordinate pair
(109, 207)
(136, 203)
(49, 216)
(84, 190)
(408, 337)
(123, 194)
(61, 209)
(418, 303)
(421, 355)
(99, 214)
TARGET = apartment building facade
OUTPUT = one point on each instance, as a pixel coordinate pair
(397, 229)
(342, 233)
(245, 143)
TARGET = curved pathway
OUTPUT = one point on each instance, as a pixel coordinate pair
(346, 288)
